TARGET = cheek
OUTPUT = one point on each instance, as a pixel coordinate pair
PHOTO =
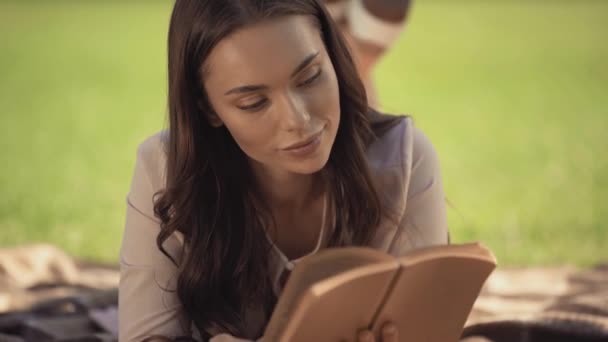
(254, 139)
(329, 98)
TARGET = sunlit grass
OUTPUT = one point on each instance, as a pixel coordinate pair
(512, 94)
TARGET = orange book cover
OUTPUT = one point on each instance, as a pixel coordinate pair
(428, 293)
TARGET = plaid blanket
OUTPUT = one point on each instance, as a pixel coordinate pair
(47, 296)
(542, 305)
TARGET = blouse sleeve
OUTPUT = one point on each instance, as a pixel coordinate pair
(424, 222)
(148, 304)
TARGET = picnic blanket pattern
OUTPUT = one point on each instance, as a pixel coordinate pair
(47, 296)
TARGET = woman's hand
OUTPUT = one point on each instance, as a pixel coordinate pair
(388, 333)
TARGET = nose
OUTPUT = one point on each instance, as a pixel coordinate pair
(293, 112)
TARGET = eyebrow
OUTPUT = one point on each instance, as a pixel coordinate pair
(251, 88)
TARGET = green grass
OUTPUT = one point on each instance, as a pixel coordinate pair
(513, 94)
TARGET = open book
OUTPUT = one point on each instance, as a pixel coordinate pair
(428, 293)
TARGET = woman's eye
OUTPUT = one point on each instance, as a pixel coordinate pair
(311, 79)
(255, 106)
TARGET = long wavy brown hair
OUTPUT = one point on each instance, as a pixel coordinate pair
(224, 266)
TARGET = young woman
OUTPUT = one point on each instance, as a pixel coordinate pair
(271, 154)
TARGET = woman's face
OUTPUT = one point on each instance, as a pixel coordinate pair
(274, 87)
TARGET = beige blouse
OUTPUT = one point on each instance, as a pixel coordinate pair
(404, 163)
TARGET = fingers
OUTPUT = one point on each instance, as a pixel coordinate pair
(390, 333)
(365, 336)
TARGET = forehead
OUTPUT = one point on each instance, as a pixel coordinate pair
(258, 53)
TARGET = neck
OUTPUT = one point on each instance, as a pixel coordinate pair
(287, 190)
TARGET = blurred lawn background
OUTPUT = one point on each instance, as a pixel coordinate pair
(514, 95)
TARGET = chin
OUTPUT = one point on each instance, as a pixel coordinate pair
(310, 166)
(308, 169)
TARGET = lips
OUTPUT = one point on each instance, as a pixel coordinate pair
(304, 142)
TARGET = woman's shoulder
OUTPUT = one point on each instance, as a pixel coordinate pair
(149, 172)
(153, 148)
(405, 165)
(401, 159)
(398, 145)
(142, 225)
(152, 158)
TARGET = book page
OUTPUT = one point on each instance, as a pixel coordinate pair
(435, 291)
(428, 293)
(313, 269)
(337, 307)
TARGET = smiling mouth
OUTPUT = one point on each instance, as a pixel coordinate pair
(304, 142)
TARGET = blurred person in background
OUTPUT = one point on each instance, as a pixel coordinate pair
(371, 27)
